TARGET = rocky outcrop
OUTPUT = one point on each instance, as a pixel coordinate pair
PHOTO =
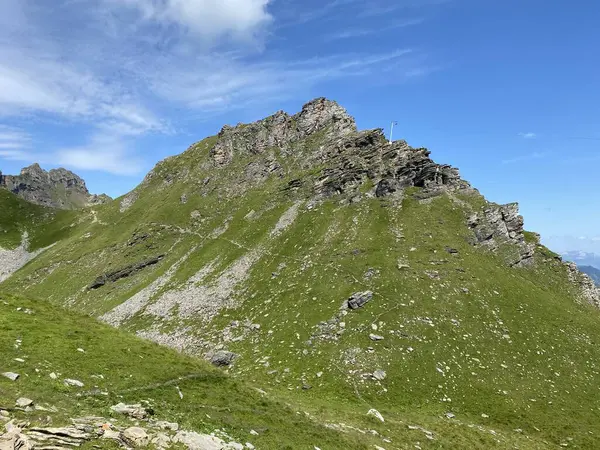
(57, 188)
(502, 224)
(282, 130)
(100, 432)
(592, 272)
(368, 157)
(123, 272)
(588, 289)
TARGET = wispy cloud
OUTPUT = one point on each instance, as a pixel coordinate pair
(528, 135)
(124, 69)
(524, 158)
(14, 143)
(102, 152)
(361, 32)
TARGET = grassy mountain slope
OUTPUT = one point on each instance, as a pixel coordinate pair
(133, 370)
(43, 225)
(253, 245)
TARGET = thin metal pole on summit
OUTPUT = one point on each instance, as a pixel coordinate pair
(392, 131)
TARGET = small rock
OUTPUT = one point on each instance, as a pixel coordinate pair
(250, 446)
(21, 360)
(161, 440)
(11, 376)
(23, 402)
(71, 382)
(375, 337)
(163, 425)
(223, 358)
(53, 376)
(197, 441)
(80, 350)
(111, 434)
(136, 437)
(136, 411)
(449, 415)
(376, 414)
(254, 433)
(379, 375)
(359, 299)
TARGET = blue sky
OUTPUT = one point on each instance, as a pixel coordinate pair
(506, 91)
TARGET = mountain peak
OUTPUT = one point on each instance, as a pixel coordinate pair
(282, 130)
(57, 188)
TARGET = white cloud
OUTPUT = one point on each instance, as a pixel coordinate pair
(14, 143)
(121, 67)
(223, 83)
(528, 135)
(102, 152)
(207, 19)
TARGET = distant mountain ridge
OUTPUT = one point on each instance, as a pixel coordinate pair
(583, 258)
(57, 188)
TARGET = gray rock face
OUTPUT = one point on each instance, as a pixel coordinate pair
(281, 130)
(353, 159)
(499, 224)
(58, 188)
(589, 291)
(124, 272)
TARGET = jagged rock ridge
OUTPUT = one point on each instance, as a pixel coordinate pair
(281, 130)
(57, 188)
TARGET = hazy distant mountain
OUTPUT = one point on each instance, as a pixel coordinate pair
(583, 258)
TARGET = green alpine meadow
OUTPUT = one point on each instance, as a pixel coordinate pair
(292, 283)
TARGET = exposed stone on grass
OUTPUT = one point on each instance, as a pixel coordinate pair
(12, 376)
(116, 275)
(223, 358)
(359, 299)
(136, 411)
(128, 201)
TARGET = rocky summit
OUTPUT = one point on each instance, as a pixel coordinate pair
(57, 188)
(295, 283)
